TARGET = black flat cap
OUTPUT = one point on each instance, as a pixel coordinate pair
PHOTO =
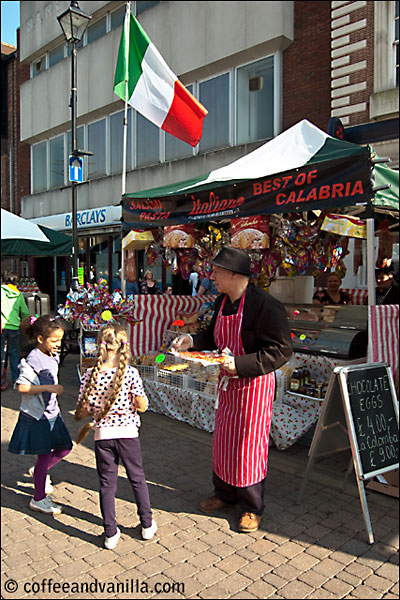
(233, 259)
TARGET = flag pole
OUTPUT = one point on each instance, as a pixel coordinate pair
(125, 136)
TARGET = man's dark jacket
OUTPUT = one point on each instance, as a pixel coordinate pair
(266, 336)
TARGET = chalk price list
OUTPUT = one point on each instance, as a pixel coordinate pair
(375, 421)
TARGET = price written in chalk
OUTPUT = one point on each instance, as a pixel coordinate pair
(374, 419)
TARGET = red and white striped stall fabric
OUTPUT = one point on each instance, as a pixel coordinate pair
(156, 314)
(383, 325)
(358, 297)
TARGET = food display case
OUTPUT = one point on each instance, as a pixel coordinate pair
(330, 330)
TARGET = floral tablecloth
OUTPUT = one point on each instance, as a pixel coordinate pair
(293, 415)
(183, 405)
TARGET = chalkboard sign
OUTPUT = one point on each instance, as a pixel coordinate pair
(359, 412)
(373, 417)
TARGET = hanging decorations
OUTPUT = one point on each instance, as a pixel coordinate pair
(385, 250)
(94, 306)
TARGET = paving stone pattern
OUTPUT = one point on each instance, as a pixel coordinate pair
(317, 549)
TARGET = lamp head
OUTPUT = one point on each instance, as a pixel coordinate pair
(73, 22)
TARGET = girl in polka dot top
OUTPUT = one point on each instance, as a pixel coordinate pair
(112, 394)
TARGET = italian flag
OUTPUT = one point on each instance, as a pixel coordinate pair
(153, 89)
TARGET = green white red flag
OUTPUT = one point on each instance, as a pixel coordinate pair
(152, 88)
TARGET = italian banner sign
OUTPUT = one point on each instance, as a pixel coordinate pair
(326, 185)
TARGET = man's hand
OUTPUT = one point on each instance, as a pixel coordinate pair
(230, 367)
(182, 343)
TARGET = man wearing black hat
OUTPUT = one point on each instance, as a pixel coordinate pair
(387, 290)
(253, 326)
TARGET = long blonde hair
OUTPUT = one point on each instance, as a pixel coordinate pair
(111, 338)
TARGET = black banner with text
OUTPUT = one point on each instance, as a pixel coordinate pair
(330, 184)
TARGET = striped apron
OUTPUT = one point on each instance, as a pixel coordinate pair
(243, 416)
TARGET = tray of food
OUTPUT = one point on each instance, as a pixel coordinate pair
(205, 358)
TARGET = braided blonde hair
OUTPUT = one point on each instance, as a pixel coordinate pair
(111, 338)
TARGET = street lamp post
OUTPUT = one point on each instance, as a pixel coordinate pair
(73, 23)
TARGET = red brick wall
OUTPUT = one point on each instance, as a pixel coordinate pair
(306, 66)
(20, 153)
(15, 173)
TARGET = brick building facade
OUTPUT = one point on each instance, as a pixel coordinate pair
(15, 155)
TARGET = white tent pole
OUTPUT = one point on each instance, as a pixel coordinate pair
(371, 262)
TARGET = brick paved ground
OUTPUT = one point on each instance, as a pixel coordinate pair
(317, 549)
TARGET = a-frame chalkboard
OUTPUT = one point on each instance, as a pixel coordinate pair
(360, 411)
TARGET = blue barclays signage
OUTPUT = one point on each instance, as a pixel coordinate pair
(107, 216)
(96, 216)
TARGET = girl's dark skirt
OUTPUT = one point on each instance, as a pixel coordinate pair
(39, 437)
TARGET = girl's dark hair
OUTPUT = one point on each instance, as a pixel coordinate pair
(111, 338)
(32, 327)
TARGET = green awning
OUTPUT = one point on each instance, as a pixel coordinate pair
(387, 198)
(59, 245)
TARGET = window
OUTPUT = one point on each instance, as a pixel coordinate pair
(39, 167)
(97, 145)
(255, 101)
(80, 140)
(214, 95)
(97, 30)
(117, 17)
(56, 55)
(142, 6)
(57, 157)
(38, 66)
(147, 142)
(175, 148)
(117, 142)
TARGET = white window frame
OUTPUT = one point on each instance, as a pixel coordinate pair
(384, 47)
(277, 77)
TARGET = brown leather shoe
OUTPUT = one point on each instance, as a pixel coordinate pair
(212, 504)
(249, 522)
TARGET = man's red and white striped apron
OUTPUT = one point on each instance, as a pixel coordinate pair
(243, 416)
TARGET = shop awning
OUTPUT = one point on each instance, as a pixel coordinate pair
(59, 244)
(389, 197)
(301, 169)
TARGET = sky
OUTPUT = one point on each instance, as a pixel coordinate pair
(9, 22)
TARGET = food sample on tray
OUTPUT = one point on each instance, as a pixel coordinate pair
(177, 367)
(205, 358)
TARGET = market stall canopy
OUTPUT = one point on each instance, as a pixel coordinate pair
(301, 169)
(14, 227)
(386, 198)
(57, 244)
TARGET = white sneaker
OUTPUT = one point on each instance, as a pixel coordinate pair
(148, 532)
(112, 541)
(45, 506)
(49, 489)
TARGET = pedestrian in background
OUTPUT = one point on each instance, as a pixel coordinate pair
(194, 281)
(40, 428)
(207, 286)
(112, 393)
(13, 311)
(149, 285)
